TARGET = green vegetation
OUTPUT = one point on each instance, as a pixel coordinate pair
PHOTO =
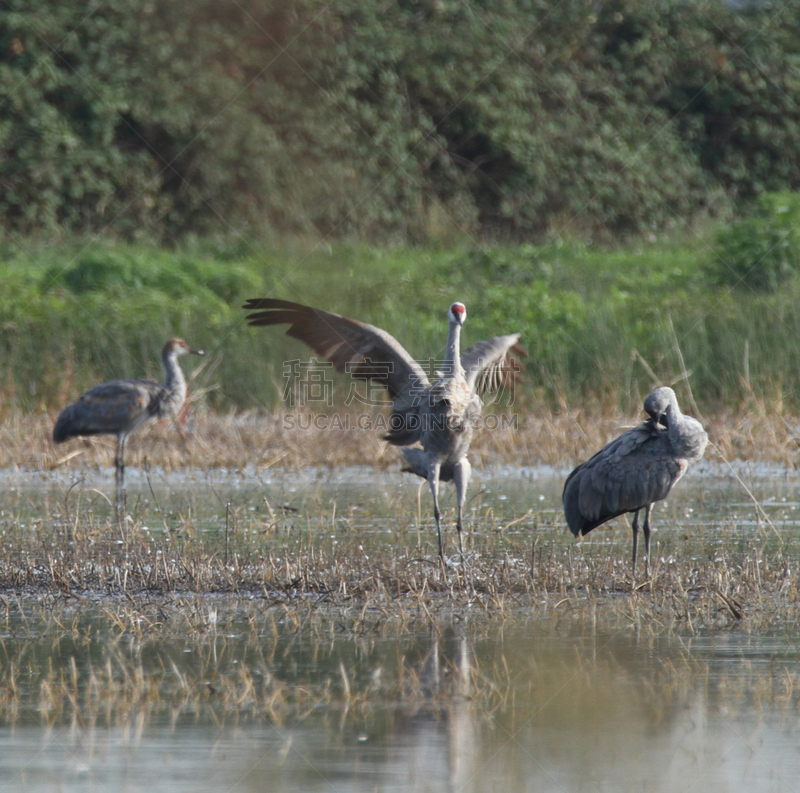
(409, 120)
(595, 322)
(762, 251)
(436, 129)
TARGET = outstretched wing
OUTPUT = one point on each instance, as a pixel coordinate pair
(492, 364)
(372, 353)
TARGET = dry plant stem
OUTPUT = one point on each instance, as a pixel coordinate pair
(760, 514)
(684, 372)
(227, 530)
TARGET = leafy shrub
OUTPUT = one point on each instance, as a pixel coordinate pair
(763, 251)
(167, 118)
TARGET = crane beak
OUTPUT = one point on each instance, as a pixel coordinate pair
(660, 420)
(197, 352)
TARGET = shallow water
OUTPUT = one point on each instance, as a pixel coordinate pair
(574, 711)
(710, 507)
(517, 706)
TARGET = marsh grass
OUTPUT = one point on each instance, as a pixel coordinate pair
(528, 564)
(109, 625)
(133, 661)
(261, 440)
(73, 548)
(125, 624)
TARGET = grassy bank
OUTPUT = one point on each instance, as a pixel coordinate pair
(600, 326)
(289, 559)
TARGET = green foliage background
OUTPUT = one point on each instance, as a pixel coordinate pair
(162, 118)
(168, 156)
(762, 251)
(598, 325)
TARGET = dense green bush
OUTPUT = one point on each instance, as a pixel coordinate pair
(763, 251)
(401, 120)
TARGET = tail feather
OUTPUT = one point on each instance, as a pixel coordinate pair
(64, 429)
(71, 423)
(418, 460)
(579, 524)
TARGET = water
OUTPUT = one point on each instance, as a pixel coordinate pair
(210, 694)
(572, 712)
(362, 495)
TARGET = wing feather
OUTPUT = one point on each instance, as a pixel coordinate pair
(109, 408)
(492, 364)
(366, 352)
(372, 353)
(630, 472)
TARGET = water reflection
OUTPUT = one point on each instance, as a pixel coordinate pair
(516, 707)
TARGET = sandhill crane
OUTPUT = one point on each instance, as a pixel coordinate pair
(441, 416)
(122, 406)
(635, 470)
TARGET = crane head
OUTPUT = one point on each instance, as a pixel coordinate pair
(657, 404)
(179, 347)
(458, 313)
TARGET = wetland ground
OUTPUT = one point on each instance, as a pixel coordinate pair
(284, 624)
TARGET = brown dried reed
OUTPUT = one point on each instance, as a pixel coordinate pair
(264, 440)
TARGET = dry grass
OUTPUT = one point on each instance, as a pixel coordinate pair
(262, 441)
(74, 550)
(109, 624)
(71, 549)
(510, 568)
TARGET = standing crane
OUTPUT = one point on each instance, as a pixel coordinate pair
(122, 406)
(635, 470)
(440, 416)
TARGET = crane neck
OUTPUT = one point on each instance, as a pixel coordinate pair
(175, 382)
(673, 416)
(453, 355)
(687, 436)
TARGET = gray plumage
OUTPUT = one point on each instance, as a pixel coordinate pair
(122, 406)
(635, 470)
(440, 415)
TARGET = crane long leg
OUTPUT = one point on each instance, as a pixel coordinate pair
(646, 530)
(433, 480)
(119, 463)
(461, 474)
(635, 527)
